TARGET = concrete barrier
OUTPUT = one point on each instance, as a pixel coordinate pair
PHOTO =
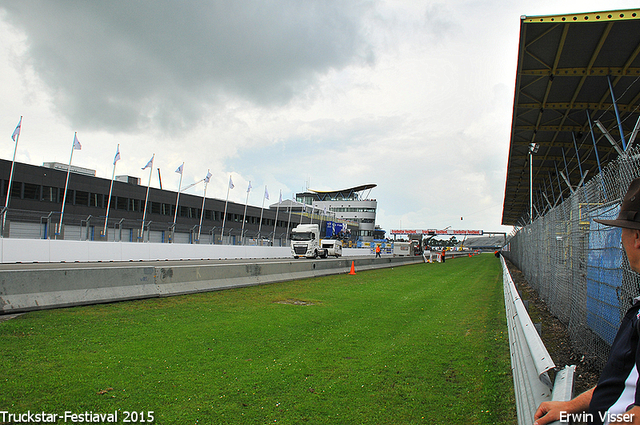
(60, 286)
(14, 250)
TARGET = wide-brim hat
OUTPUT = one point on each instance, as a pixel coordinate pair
(629, 215)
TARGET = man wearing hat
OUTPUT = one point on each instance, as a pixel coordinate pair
(616, 398)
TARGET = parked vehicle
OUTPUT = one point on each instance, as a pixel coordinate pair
(401, 249)
(333, 247)
(306, 242)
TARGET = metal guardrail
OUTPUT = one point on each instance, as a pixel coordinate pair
(530, 360)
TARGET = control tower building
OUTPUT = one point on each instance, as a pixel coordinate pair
(354, 204)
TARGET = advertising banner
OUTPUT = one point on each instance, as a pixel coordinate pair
(435, 232)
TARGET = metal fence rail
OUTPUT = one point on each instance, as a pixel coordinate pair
(530, 360)
(577, 266)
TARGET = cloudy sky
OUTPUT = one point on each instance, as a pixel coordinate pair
(414, 96)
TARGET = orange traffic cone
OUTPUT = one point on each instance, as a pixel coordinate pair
(353, 268)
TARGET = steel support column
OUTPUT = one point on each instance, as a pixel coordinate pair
(615, 108)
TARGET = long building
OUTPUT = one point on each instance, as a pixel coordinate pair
(36, 200)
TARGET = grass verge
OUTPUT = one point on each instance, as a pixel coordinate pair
(424, 343)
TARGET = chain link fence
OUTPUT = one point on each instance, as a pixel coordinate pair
(577, 266)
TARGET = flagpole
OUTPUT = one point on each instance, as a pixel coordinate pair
(244, 217)
(289, 220)
(13, 162)
(302, 210)
(273, 241)
(204, 196)
(146, 198)
(113, 174)
(66, 184)
(262, 211)
(224, 217)
(175, 215)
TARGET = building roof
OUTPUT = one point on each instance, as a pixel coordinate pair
(326, 195)
(566, 64)
(483, 242)
(351, 189)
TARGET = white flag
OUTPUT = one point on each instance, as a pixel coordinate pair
(16, 132)
(206, 179)
(76, 142)
(179, 170)
(117, 157)
(266, 192)
(249, 188)
(231, 186)
(280, 201)
(149, 164)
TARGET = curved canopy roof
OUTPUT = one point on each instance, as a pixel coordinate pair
(566, 67)
(349, 190)
(351, 193)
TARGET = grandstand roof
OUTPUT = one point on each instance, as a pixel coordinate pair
(341, 194)
(349, 190)
(483, 242)
(566, 64)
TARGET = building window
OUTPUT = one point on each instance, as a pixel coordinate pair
(121, 202)
(70, 195)
(82, 198)
(51, 194)
(351, 209)
(135, 205)
(16, 189)
(188, 212)
(31, 191)
(96, 200)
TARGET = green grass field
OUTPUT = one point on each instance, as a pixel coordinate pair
(424, 343)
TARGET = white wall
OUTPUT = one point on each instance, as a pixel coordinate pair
(14, 250)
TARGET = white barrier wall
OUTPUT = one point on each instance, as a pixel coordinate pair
(13, 250)
(27, 288)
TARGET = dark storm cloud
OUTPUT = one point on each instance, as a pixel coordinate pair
(126, 65)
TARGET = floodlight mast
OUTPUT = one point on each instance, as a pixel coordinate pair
(533, 148)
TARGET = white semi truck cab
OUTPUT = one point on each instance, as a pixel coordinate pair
(306, 242)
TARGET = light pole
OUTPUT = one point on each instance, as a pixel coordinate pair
(533, 148)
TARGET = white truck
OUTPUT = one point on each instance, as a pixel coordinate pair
(306, 242)
(333, 247)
